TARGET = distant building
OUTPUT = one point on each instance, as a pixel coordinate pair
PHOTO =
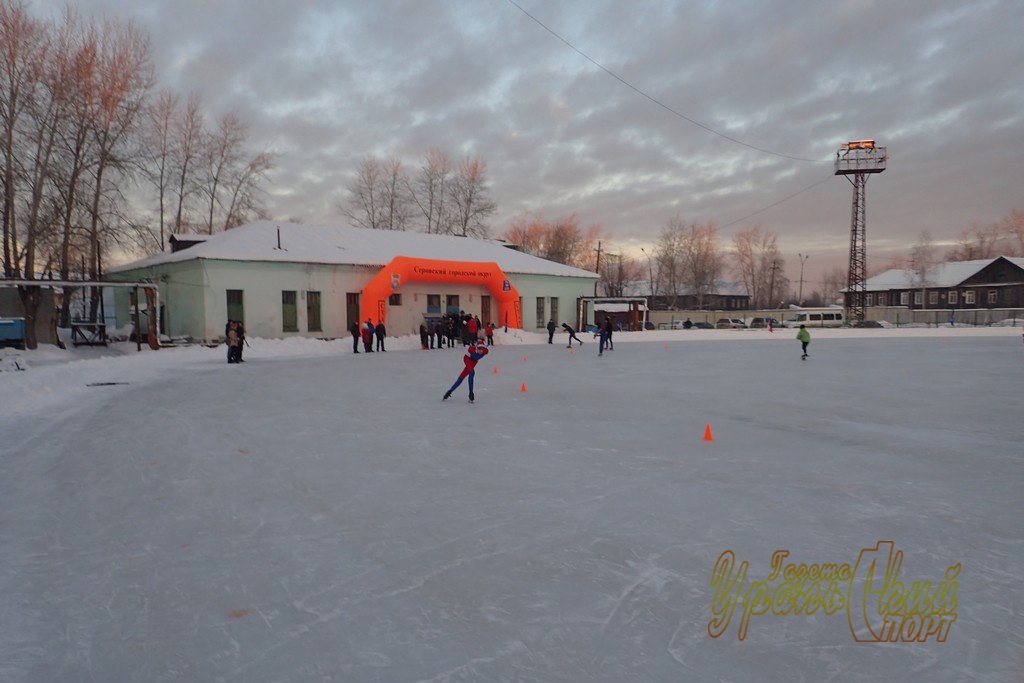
(287, 280)
(725, 296)
(958, 285)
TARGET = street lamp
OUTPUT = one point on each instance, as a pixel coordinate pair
(800, 295)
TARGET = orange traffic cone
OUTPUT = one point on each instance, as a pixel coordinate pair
(707, 433)
(524, 359)
(523, 388)
(495, 369)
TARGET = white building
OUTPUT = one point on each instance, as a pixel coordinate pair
(288, 280)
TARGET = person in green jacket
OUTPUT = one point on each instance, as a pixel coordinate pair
(804, 336)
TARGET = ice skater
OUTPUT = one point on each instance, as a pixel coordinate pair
(804, 336)
(605, 339)
(572, 335)
(473, 355)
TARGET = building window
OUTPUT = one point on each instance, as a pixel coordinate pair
(395, 299)
(452, 304)
(881, 299)
(951, 297)
(313, 323)
(933, 298)
(904, 298)
(289, 312)
(236, 311)
(917, 298)
(993, 296)
(869, 299)
(554, 308)
(433, 303)
(969, 297)
(540, 311)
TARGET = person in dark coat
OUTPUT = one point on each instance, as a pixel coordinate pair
(608, 331)
(439, 333)
(572, 335)
(551, 330)
(380, 331)
(355, 336)
(426, 337)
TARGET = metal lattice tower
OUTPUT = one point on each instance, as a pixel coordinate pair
(858, 158)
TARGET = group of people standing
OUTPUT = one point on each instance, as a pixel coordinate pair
(367, 332)
(464, 326)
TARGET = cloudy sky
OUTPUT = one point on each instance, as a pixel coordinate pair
(625, 113)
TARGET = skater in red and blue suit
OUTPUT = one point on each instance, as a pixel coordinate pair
(473, 355)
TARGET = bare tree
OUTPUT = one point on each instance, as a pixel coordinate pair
(561, 240)
(922, 258)
(618, 272)
(188, 135)
(243, 187)
(363, 207)
(158, 153)
(1013, 224)
(396, 202)
(222, 150)
(701, 261)
(833, 283)
(528, 233)
(471, 205)
(759, 265)
(26, 118)
(977, 242)
(122, 79)
(669, 255)
(428, 192)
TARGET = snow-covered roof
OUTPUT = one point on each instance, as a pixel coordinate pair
(948, 274)
(343, 245)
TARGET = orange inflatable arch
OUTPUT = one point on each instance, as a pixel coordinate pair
(402, 269)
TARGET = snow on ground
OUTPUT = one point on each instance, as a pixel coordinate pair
(313, 515)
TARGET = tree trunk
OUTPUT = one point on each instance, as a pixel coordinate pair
(30, 298)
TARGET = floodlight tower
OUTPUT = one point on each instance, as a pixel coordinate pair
(858, 158)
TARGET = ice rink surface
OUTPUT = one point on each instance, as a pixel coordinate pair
(326, 517)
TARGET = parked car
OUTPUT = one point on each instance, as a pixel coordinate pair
(763, 322)
(703, 326)
(730, 324)
(868, 323)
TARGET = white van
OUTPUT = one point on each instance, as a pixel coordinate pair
(816, 317)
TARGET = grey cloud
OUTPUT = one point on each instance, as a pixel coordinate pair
(329, 82)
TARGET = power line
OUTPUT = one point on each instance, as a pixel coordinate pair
(654, 99)
(781, 201)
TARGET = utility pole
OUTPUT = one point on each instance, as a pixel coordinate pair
(771, 283)
(598, 268)
(800, 295)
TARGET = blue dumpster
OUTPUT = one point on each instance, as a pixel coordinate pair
(12, 331)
